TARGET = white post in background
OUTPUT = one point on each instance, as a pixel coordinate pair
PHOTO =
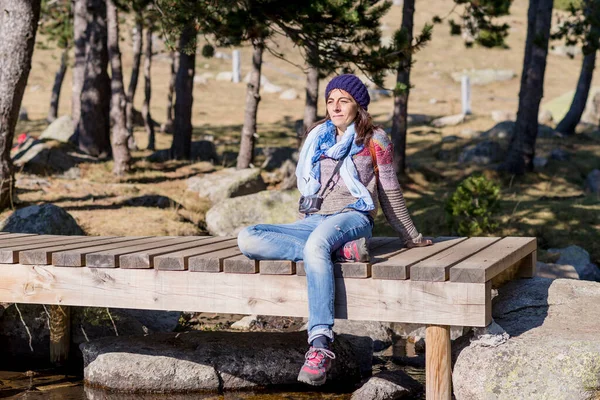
(466, 94)
(237, 74)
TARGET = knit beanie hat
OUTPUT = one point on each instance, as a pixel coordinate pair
(351, 84)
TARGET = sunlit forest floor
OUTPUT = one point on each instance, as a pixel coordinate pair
(549, 203)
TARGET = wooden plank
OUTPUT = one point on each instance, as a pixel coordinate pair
(43, 255)
(110, 258)
(398, 267)
(4, 233)
(76, 258)
(29, 239)
(436, 303)
(352, 269)
(10, 255)
(240, 265)
(486, 264)
(277, 267)
(212, 262)
(9, 236)
(179, 261)
(438, 364)
(145, 259)
(437, 267)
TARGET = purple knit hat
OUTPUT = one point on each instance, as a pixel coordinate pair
(351, 84)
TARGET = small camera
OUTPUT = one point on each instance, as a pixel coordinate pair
(310, 204)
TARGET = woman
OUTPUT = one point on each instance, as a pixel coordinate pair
(337, 163)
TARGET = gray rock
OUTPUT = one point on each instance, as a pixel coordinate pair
(485, 76)
(418, 119)
(483, 153)
(23, 116)
(450, 139)
(592, 181)
(565, 51)
(227, 183)
(289, 94)
(450, 120)
(229, 216)
(245, 323)
(500, 115)
(380, 332)
(45, 157)
(276, 156)
(556, 271)
(559, 155)
(540, 162)
(269, 87)
(580, 260)
(46, 219)
(415, 332)
(193, 361)
(388, 385)
(226, 76)
(61, 130)
(554, 349)
(201, 150)
(545, 117)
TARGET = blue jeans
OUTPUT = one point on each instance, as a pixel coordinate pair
(312, 239)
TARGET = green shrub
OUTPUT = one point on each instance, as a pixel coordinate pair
(471, 208)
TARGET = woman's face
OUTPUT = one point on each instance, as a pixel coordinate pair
(342, 108)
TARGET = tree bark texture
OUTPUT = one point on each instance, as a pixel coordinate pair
(521, 150)
(312, 88)
(148, 123)
(18, 26)
(400, 116)
(79, 41)
(573, 116)
(60, 334)
(167, 127)
(136, 36)
(58, 81)
(120, 150)
(247, 142)
(93, 128)
(184, 86)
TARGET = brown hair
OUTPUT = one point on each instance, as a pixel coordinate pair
(363, 122)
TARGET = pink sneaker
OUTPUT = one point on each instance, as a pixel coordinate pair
(355, 250)
(316, 365)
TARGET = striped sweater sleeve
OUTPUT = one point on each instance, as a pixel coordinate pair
(389, 191)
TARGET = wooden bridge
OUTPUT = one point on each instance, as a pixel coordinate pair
(448, 283)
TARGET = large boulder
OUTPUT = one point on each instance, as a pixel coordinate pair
(61, 130)
(45, 157)
(553, 351)
(227, 183)
(201, 150)
(46, 219)
(388, 385)
(580, 260)
(483, 153)
(267, 207)
(194, 361)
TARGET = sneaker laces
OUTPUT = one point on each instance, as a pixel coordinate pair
(314, 353)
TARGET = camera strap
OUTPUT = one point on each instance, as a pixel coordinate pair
(335, 171)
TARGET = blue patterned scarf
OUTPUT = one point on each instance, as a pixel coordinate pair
(321, 143)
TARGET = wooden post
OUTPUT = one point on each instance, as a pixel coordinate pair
(235, 61)
(60, 334)
(466, 94)
(438, 368)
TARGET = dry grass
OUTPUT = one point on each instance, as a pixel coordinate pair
(549, 204)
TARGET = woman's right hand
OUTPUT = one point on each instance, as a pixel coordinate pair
(425, 242)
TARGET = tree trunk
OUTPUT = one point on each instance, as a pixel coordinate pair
(136, 36)
(521, 150)
(573, 116)
(167, 127)
(120, 135)
(93, 129)
(18, 25)
(400, 117)
(184, 86)
(58, 80)
(148, 124)
(246, 153)
(312, 88)
(79, 41)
